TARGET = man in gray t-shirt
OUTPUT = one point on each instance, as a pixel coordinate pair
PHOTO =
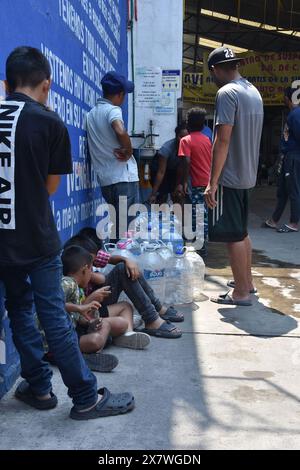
(237, 134)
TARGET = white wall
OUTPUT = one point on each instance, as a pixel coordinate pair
(158, 42)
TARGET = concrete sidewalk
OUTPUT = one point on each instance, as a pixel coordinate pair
(231, 382)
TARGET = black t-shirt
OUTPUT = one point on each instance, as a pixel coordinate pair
(34, 143)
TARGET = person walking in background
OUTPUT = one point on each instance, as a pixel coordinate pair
(35, 151)
(110, 147)
(238, 128)
(164, 167)
(195, 154)
(289, 178)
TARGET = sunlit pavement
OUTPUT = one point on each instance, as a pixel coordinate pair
(231, 382)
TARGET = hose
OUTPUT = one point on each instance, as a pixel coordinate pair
(132, 66)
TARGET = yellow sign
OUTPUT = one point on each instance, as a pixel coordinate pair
(270, 72)
(193, 88)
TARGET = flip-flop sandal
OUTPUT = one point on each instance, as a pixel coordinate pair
(226, 299)
(99, 362)
(23, 392)
(111, 404)
(172, 315)
(136, 340)
(232, 285)
(166, 330)
(287, 229)
(266, 224)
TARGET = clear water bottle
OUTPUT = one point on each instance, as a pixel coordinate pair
(179, 289)
(173, 237)
(153, 268)
(198, 273)
(165, 251)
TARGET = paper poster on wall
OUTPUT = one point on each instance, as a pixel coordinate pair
(171, 80)
(148, 87)
(167, 103)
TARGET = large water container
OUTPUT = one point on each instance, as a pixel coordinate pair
(198, 273)
(179, 288)
(165, 251)
(147, 234)
(173, 237)
(153, 268)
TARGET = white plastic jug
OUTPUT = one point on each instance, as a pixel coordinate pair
(165, 251)
(179, 288)
(198, 273)
(153, 268)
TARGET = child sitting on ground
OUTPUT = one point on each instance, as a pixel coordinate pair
(126, 277)
(115, 319)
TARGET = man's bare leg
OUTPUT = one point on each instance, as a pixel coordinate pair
(249, 268)
(239, 259)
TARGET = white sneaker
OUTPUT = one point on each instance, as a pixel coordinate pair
(132, 340)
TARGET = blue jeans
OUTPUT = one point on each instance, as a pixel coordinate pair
(40, 284)
(112, 194)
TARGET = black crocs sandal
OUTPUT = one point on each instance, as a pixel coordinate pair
(172, 315)
(166, 330)
(99, 362)
(111, 404)
(23, 392)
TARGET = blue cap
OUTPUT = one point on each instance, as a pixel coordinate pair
(115, 83)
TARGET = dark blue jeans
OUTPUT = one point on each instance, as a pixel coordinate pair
(112, 196)
(39, 285)
(139, 293)
(289, 188)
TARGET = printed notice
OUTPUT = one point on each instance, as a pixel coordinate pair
(167, 103)
(148, 87)
(171, 80)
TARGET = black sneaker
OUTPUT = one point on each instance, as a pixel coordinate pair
(99, 362)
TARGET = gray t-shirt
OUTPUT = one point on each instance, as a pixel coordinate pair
(169, 151)
(240, 104)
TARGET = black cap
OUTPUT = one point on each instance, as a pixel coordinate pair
(222, 55)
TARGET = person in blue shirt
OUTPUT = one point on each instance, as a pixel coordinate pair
(289, 179)
(208, 132)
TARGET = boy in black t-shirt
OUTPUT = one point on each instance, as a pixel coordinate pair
(34, 152)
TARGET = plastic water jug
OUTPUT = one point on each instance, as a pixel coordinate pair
(173, 237)
(198, 273)
(165, 250)
(153, 268)
(179, 289)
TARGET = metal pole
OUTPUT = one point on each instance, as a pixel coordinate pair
(197, 34)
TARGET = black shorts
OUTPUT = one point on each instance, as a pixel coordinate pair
(228, 222)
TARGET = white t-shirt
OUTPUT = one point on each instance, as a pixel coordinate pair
(102, 143)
